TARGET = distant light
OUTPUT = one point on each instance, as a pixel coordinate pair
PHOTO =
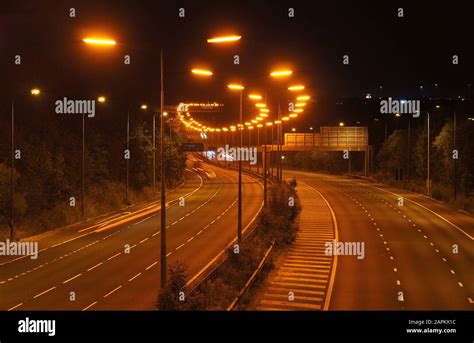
(293, 129)
(472, 119)
(224, 39)
(437, 106)
(235, 86)
(397, 114)
(99, 41)
(277, 121)
(296, 88)
(368, 96)
(101, 99)
(341, 124)
(303, 98)
(293, 115)
(265, 110)
(259, 118)
(143, 107)
(35, 91)
(202, 72)
(300, 104)
(311, 128)
(285, 118)
(281, 73)
(254, 121)
(255, 97)
(260, 105)
(283, 157)
(298, 110)
(264, 115)
(269, 124)
(225, 129)
(259, 125)
(165, 114)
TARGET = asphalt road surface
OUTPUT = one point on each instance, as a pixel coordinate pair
(114, 264)
(419, 256)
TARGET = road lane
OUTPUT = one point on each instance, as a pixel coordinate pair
(408, 249)
(104, 266)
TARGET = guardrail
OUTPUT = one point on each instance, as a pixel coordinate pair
(252, 278)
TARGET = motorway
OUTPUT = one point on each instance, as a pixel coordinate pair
(113, 264)
(410, 262)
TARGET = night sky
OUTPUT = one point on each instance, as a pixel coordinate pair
(399, 53)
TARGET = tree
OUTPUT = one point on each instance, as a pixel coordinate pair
(19, 201)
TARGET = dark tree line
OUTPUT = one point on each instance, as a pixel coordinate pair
(48, 172)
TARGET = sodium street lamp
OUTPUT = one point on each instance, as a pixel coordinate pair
(34, 92)
(240, 88)
(107, 42)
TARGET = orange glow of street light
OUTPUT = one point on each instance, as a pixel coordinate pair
(224, 39)
(35, 91)
(293, 115)
(101, 99)
(259, 118)
(235, 86)
(277, 122)
(202, 72)
(143, 107)
(259, 125)
(253, 121)
(300, 104)
(281, 73)
(296, 88)
(255, 97)
(260, 105)
(265, 110)
(264, 115)
(99, 41)
(285, 118)
(341, 124)
(269, 123)
(298, 110)
(303, 98)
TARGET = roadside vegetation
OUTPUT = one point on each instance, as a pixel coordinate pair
(277, 223)
(48, 176)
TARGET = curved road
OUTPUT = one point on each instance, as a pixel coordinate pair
(114, 264)
(410, 261)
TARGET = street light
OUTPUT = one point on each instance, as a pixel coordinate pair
(224, 39)
(255, 97)
(240, 88)
(99, 41)
(34, 92)
(341, 124)
(296, 88)
(303, 98)
(202, 72)
(101, 99)
(281, 73)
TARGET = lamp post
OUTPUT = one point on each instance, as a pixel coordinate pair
(240, 88)
(162, 176)
(12, 212)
